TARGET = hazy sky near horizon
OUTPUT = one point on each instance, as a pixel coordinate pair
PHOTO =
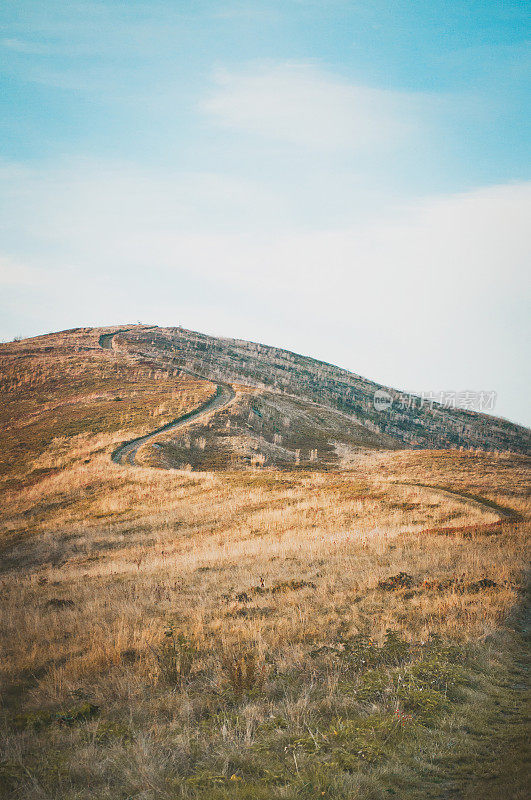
(349, 180)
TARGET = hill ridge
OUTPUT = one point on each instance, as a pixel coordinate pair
(274, 369)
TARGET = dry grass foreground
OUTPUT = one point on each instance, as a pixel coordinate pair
(251, 634)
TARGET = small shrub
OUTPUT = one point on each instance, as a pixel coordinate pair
(421, 701)
(81, 713)
(394, 650)
(353, 742)
(58, 603)
(373, 686)
(277, 588)
(484, 583)
(242, 671)
(175, 657)
(436, 649)
(437, 675)
(129, 656)
(393, 582)
(361, 651)
(291, 586)
(440, 584)
(364, 653)
(108, 731)
(38, 720)
(33, 720)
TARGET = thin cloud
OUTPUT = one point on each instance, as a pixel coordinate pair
(301, 105)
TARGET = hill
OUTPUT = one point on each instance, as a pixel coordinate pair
(297, 410)
(299, 601)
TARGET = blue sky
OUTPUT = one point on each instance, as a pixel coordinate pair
(346, 179)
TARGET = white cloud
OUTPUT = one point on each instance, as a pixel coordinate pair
(89, 210)
(301, 105)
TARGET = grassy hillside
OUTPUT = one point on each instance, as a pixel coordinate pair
(419, 424)
(345, 623)
(65, 404)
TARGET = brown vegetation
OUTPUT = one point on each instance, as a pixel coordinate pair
(248, 634)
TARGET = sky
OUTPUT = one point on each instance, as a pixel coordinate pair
(348, 180)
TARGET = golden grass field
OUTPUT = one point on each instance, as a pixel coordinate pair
(259, 633)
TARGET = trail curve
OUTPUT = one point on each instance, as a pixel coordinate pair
(505, 514)
(126, 452)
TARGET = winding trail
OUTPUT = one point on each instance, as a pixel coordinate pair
(105, 339)
(495, 765)
(126, 452)
(225, 394)
(505, 514)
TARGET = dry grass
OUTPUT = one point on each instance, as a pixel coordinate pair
(65, 404)
(266, 580)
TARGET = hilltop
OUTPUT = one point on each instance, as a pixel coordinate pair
(290, 409)
(406, 422)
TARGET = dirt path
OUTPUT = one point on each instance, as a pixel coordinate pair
(126, 452)
(225, 394)
(482, 503)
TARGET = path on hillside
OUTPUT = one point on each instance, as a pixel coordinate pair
(225, 394)
(482, 503)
